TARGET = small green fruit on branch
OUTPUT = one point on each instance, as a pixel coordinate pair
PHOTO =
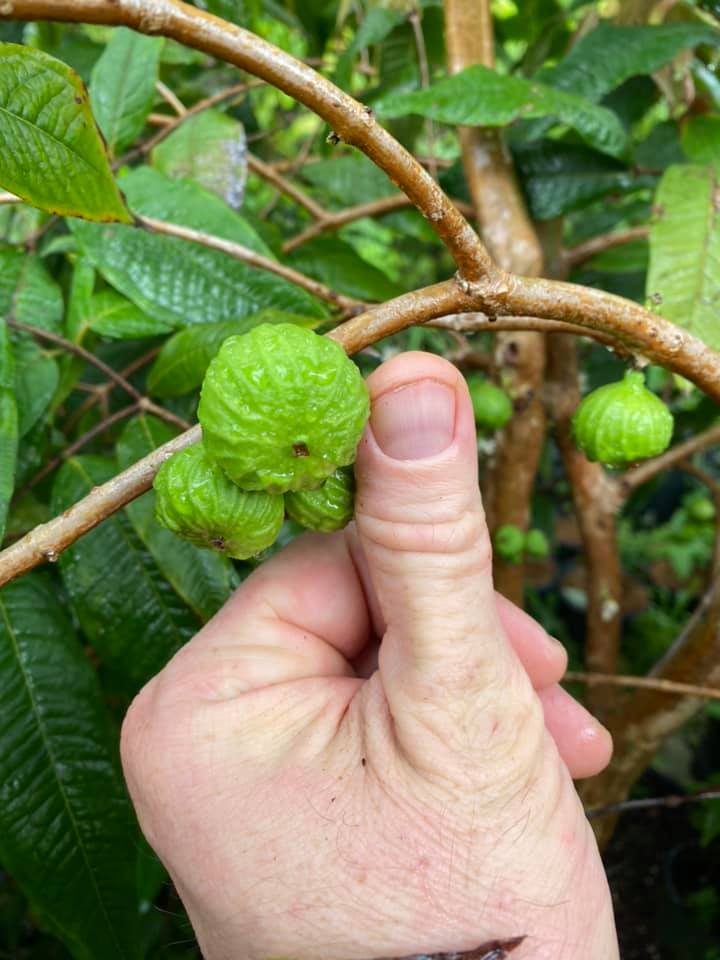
(622, 422)
(492, 406)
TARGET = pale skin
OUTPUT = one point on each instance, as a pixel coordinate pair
(316, 793)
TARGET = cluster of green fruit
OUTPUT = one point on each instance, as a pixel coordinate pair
(282, 411)
(511, 543)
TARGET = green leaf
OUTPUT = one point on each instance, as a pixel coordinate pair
(66, 830)
(210, 149)
(378, 23)
(701, 141)
(80, 301)
(27, 291)
(8, 426)
(36, 380)
(122, 87)
(478, 96)
(204, 579)
(112, 315)
(184, 358)
(684, 274)
(130, 613)
(335, 263)
(177, 282)
(349, 180)
(561, 177)
(50, 151)
(609, 55)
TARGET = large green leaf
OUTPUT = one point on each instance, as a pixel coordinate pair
(210, 149)
(684, 274)
(609, 55)
(36, 380)
(66, 830)
(113, 315)
(50, 151)
(561, 177)
(184, 358)
(203, 578)
(701, 141)
(130, 613)
(8, 425)
(177, 282)
(27, 291)
(122, 87)
(478, 96)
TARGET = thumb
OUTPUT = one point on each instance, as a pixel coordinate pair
(422, 529)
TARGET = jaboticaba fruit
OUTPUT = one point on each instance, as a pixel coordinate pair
(622, 422)
(536, 544)
(328, 508)
(282, 408)
(491, 405)
(509, 543)
(197, 502)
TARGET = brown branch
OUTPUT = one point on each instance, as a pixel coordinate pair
(330, 220)
(271, 175)
(645, 683)
(415, 19)
(575, 256)
(671, 458)
(646, 803)
(171, 98)
(351, 121)
(479, 323)
(511, 239)
(8, 198)
(251, 257)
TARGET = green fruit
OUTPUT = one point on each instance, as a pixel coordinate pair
(536, 544)
(328, 508)
(282, 408)
(491, 405)
(622, 422)
(509, 543)
(700, 507)
(197, 502)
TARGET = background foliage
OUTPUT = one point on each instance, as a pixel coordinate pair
(611, 127)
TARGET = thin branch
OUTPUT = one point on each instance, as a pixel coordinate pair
(269, 173)
(646, 803)
(251, 257)
(646, 683)
(171, 98)
(330, 220)
(228, 93)
(575, 256)
(351, 121)
(81, 352)
(8, 198)
(671, 458)
(479, 322)
(419, 37)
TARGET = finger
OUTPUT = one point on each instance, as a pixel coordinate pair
(422, 529)
(301, 614)
(544, 658)
(583, 743)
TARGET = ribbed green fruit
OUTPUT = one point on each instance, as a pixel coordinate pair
(328, 508)
(536, 544)
(700, 507)
(622, 422)
(492, 405)
(197, 502)
(509, 543)
(282, 408)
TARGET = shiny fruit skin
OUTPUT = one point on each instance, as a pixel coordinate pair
(197, 502)
(328, 508)
(622, 422)
(492, 406)
(282, 408)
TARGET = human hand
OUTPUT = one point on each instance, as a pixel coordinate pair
(316, 795)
